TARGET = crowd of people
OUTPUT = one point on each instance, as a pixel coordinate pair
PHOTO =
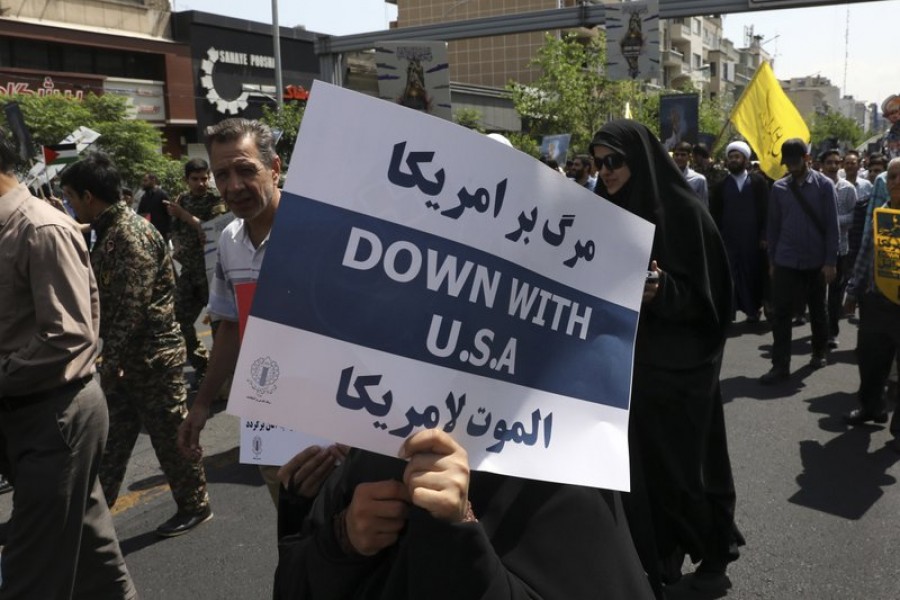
(353, 524)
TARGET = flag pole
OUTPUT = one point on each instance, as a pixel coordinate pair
(737, 105)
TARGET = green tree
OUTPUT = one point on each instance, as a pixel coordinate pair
(570, 95)
(50, 118)
(525, 142)
(469, 117)
(836, 126)
(288, 122)
(134, 145)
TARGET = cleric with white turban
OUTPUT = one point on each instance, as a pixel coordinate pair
(741, 147)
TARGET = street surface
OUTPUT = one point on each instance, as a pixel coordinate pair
(817, 502)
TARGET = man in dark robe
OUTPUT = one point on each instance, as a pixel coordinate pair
(682, 498)
(738, 206)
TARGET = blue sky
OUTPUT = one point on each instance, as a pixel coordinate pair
(805, 41)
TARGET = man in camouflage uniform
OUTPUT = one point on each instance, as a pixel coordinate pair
(143, 351)
(189, 212)
(704, 165)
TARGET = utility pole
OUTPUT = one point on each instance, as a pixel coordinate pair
(276, 41)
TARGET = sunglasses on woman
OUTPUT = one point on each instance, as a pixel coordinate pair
(610, 161)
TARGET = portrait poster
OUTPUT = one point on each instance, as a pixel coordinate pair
(449, 282)
(679, 119)
(415, 75)
(632, 40)
(556, 147)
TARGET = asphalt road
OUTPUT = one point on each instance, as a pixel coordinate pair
(817, 502)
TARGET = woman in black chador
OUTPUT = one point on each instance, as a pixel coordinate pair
(426, 528)
(682, 499)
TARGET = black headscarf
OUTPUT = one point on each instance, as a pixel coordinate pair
(684, 326)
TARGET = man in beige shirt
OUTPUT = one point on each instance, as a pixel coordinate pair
(53, 416)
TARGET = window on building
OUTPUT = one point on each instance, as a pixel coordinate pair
(77, 59)
(697, 26)
(713, 67)
(70, 58)
(29, 54)
(698, 61)
(111, 63)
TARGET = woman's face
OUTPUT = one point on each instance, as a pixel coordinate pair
(615, 177)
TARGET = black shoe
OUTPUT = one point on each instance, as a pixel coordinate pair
(775, 375)
(818, 362)
(859, 417)
(832, 343)
(710, 575)
(182, 523)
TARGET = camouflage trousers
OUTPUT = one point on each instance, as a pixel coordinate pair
(155, 400)
(191, 297)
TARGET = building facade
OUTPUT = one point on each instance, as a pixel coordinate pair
(232, 65)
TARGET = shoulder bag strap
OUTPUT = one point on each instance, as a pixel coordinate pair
(807, 208)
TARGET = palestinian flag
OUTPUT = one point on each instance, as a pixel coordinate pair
(60, 154)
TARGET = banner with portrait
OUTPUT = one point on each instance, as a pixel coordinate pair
(415, 75)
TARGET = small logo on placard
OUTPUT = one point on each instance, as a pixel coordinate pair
(257, 446)
(263, 374)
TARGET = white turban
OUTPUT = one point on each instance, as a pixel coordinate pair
(741, 147)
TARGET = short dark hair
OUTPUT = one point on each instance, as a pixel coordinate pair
(877, 159)
(194, 165)
(234, 129)
(9, 152)
(700, 150)
(584, 158)
(683, 147)
(830, 152)
(127, 192)
(96, 174)
(851, 153)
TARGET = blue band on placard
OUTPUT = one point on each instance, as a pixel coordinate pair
(366, 281)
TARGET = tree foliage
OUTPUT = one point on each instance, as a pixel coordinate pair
(469, 117)
(571, 95)
(834, 125)
(525, 142)
(134, 145)
(288, 122)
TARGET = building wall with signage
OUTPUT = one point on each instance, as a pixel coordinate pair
(145, 17)
(233, 65)
(154, 74)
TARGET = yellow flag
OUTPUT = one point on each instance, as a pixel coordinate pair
(886, 227)
(766, 117)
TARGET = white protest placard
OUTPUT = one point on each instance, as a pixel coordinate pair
(212, 231)
(445, 281)
(267, 444)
